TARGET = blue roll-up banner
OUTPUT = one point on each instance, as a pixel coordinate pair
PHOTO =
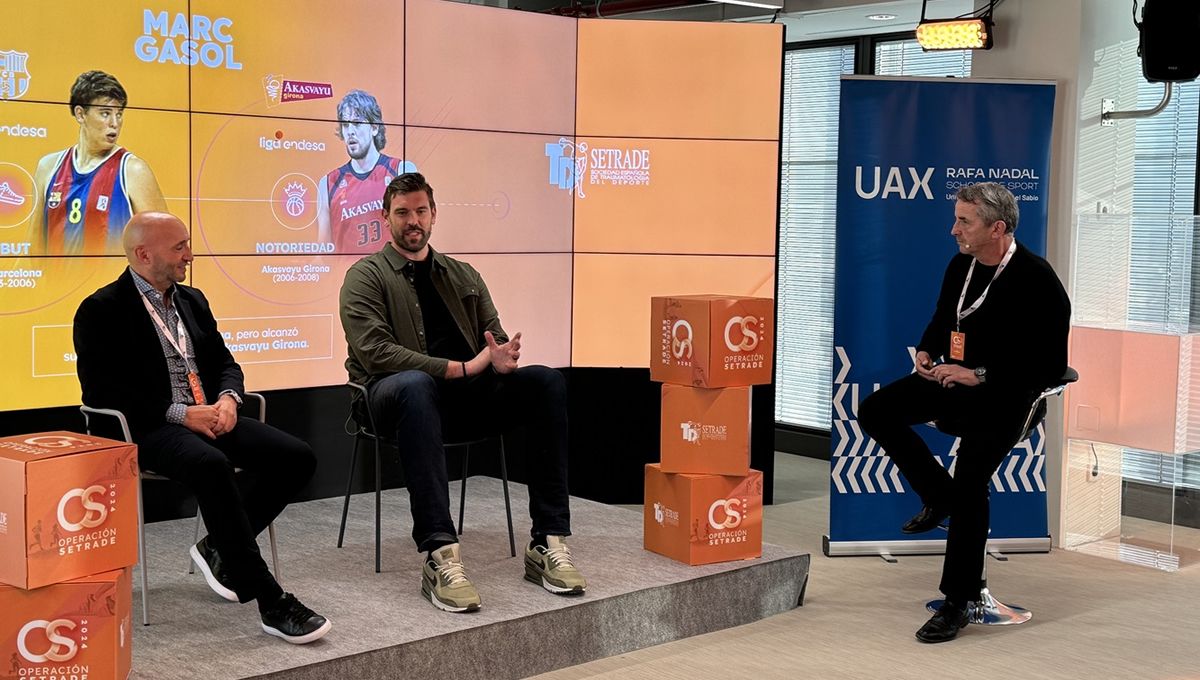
(905, 146)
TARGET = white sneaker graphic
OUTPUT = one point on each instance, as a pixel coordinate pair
(7, 195)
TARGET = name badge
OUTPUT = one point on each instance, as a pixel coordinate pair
(197, 390)
(958, 345)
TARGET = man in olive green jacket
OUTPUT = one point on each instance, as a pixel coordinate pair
(426, 340)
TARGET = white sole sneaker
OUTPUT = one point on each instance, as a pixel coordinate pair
(446, 607)
(557, 590)
(213, 583)
(299, 639)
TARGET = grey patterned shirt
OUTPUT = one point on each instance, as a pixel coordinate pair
(177, 366)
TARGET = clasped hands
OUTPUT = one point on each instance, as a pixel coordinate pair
(212, 420)
(946, 375)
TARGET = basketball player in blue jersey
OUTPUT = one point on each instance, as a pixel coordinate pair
(350, 197)
(90, 190)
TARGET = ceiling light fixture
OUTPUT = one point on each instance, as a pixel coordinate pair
(750, 3)
(959, 33)
(881, 17)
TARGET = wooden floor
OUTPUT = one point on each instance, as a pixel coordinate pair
(1093, 618)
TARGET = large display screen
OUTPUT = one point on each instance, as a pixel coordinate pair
(581, 166)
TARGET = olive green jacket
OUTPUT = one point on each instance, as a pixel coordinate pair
(385, 330)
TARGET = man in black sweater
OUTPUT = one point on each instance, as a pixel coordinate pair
(997, 338)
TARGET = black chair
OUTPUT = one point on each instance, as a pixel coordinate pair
(368, 431)
(989, 611)
(144, 475)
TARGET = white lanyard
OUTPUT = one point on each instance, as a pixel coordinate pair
(964, 313)
(182, 345)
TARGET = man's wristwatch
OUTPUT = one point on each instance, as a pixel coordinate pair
(981, 374)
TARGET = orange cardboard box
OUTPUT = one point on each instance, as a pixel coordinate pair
(705, 431)
(701, 519)
(68, 507)
(711, 340)
(77, 629)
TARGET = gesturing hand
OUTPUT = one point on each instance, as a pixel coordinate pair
(503, 357)
(924, 365)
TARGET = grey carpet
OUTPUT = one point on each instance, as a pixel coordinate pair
(382, 627)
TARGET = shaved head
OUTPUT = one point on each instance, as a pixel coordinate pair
(157, 247)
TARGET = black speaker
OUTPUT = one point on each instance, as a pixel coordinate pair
(1169, 31)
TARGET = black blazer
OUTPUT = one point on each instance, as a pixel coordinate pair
(120, 358)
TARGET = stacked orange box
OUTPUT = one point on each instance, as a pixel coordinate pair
(68, 541)
(703, 501)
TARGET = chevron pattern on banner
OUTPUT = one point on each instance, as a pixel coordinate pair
(861, 466)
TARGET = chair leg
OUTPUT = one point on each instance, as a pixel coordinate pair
(142, 561)
(195, 540)
(378, 491)
(462, 496)
(512, 543)
(274, 553)
(349, 486)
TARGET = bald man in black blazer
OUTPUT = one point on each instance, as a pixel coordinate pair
(149, 346)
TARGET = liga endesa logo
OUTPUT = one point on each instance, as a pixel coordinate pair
(742, 333)
(59, 647)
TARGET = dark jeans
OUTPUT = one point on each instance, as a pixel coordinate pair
(416, 407)
(989, 426)
(281, 465)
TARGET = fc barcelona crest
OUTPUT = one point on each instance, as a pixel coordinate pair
(14, 74)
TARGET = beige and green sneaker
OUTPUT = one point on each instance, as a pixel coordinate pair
(444, 581)
(551, 568)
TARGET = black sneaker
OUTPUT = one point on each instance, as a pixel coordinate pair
(209, 562)
(292, 621)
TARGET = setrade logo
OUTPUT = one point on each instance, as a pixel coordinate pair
(280, 90)
(60, 648)
(681, 345)
(691, 432)
(574, 164)
(748, 327)
(568, 163)
(665, 516)
(14, 74)
(729, 510)
(57, 441)
(94, 511)
(694, 432)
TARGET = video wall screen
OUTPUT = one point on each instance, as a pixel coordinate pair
(581, 166)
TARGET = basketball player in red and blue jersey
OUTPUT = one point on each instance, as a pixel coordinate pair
(350, 198)
(90, 190)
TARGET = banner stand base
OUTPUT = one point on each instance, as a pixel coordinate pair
(989, 611)
(888, 549)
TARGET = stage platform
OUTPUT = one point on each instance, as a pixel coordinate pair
(383, 628)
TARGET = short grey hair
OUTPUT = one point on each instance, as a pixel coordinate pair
(994, 201)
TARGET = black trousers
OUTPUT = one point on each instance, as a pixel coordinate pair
(989, 425)
(416, 408)
(280, 466)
